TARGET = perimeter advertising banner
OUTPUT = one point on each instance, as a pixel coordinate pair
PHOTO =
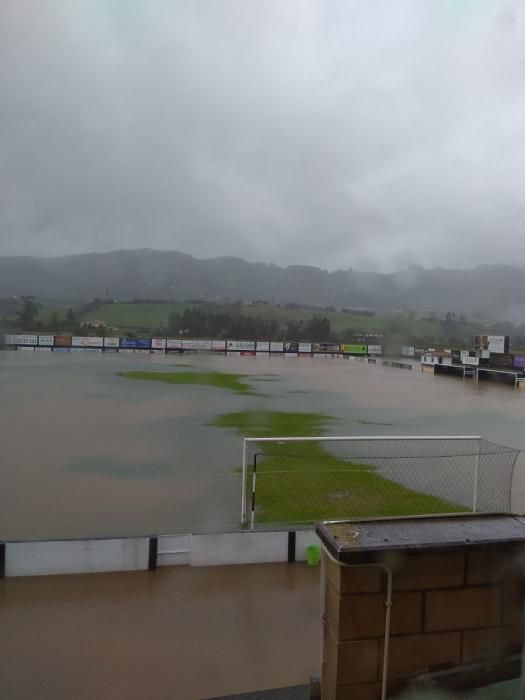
(291, 347)
(135, 343)
(262, 346)
(173, 343)
(375, 350)
(326, 348)
(218, 345)
(519, 361)
(158, 343)
(46, 340)
(354, 349)
(111, 342)
(196, 344)
(305, 348)
(492, 343)
(21, 340)
(87, 342)
(62, 341)
(240, 345)
(276, 346)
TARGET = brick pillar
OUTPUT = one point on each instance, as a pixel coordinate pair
(449, 609)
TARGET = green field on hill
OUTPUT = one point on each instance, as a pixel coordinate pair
(153, 316)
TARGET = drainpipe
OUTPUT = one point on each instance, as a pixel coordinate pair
(388, 611)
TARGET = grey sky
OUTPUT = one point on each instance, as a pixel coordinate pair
(339, 134)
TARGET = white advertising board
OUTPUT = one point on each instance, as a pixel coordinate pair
(305, 347)
(496, 343)
(158, 343)
(173, 343)
(46, 340)
(21, 340)
(111, 342)
(262, 346)
(240, 345)
(196, 344)
(467, 360)
(86, 342)
(276, 346)
(375, 349)
(218, 345)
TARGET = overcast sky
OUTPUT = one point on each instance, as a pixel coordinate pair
(340, 134)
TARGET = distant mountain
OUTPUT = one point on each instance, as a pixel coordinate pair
(130, 274)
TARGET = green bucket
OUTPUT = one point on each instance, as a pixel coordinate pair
(313, 555)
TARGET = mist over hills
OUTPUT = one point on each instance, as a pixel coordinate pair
(488, 290)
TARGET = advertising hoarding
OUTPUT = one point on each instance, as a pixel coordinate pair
(354, 349)
(158, 343)
(21, 339)
(326, 348)
(305, 348)
(291, 347)
(46, 340)
(469, 360)
(87, 342)
(62, 341)
(240, 345)
(262, 346)
(492, 343)
(134, 343)
(375, 349)
(276, 346)
(519, 361)
(218, 345)
(173, 343)
(111, 342)
(195, 344)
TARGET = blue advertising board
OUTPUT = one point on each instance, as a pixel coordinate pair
(135, 343)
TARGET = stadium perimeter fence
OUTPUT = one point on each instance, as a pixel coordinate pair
(301, 480)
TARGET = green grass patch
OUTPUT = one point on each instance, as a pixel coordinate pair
(219, 380)
(303, 482)
(138, 316)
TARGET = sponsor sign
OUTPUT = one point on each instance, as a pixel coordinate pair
(262, 346)
(305, 347)
(354, 349)
(291, 347)
(111, 342)
(87, 342)
(134, 343)
(196, 344)
(62, 341)
(492, 343)
(218, 345)
(469, 360)
(158, 343)
(21, 340)
(326, 348)
(376, 350)
(46, 340)
(519, 361)
(173, 343)
(240, 345)
(276, 346)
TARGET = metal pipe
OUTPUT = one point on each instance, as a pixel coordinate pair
(388, 612)
(243, 490)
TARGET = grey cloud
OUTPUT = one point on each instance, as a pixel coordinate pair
(339, 134)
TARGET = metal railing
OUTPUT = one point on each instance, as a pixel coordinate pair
(300, 480)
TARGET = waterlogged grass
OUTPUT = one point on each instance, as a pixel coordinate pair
(219, 380)
(121, 470)
(303, 482)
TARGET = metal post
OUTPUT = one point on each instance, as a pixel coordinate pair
(254, 484)
(476, 482)
(243, 490)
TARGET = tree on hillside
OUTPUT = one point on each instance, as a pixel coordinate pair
(70, 317)
(28, 314)
(53, 321)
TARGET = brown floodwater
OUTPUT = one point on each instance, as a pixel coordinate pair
(85, 452)
(178, 633)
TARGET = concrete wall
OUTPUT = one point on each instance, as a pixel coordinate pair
(133, 554)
